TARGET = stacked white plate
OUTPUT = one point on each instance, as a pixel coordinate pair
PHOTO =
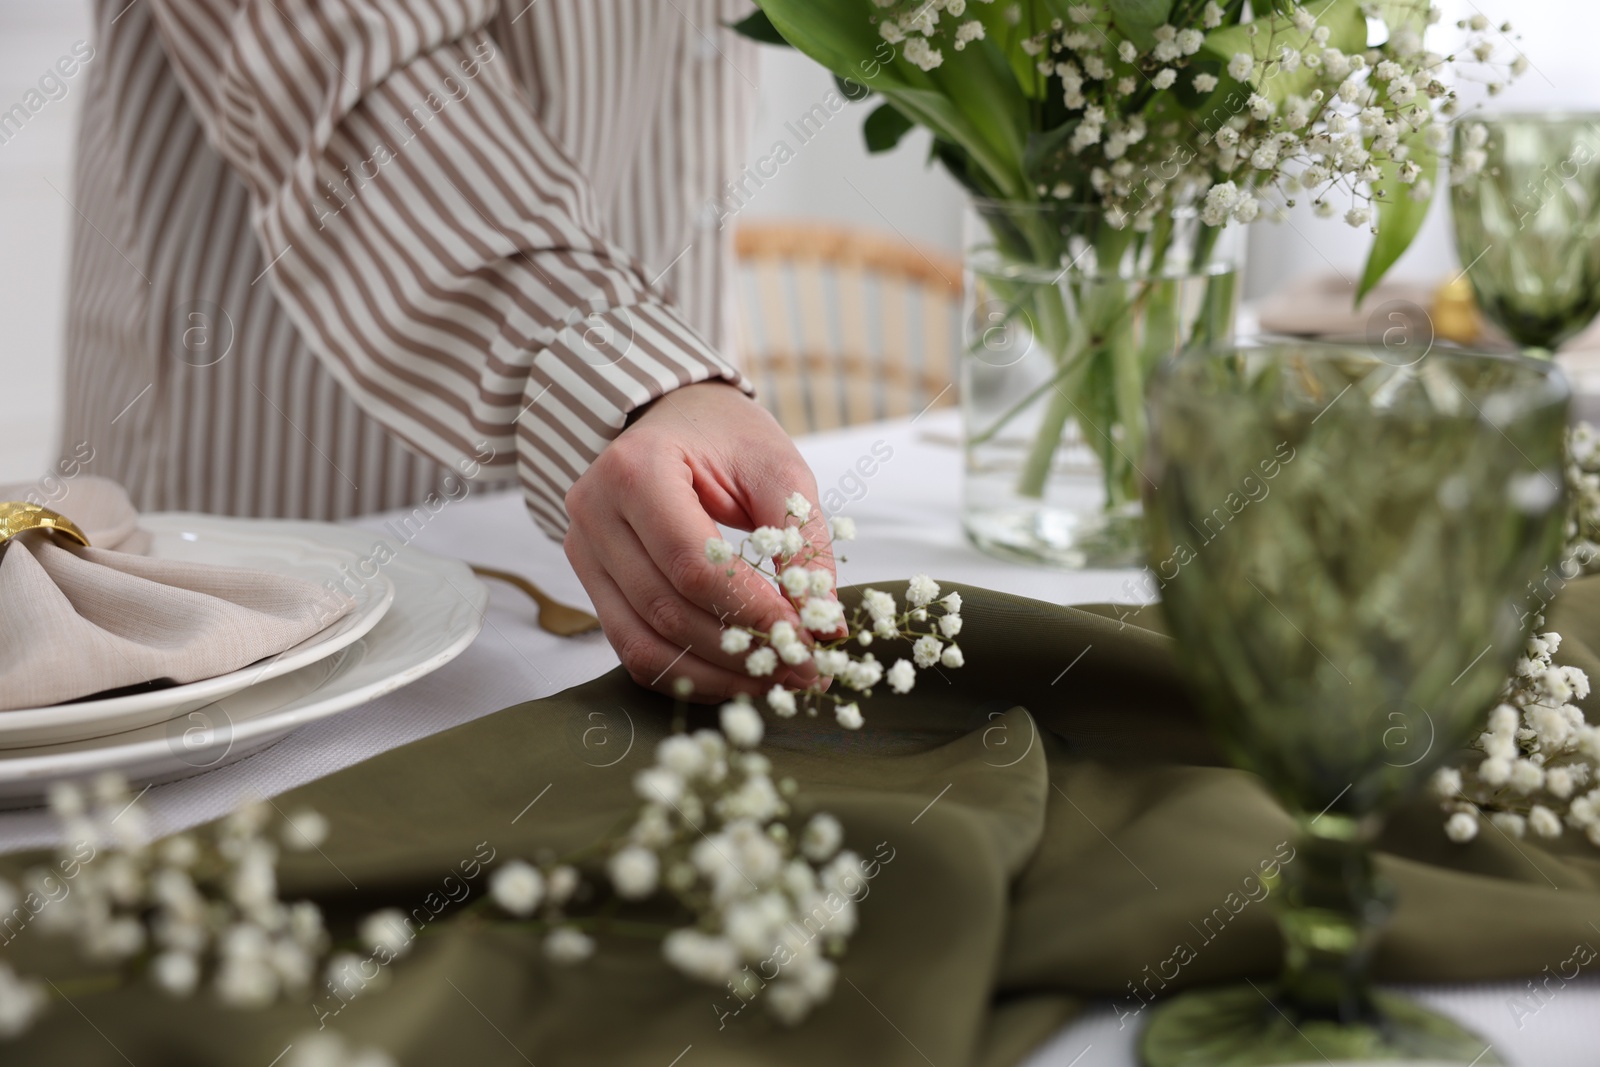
(414, 612)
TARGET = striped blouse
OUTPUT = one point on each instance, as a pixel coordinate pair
(331, 254)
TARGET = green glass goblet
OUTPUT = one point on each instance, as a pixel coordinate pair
(1525, 200)
(1343, 540)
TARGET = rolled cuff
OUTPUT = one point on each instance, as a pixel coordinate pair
(583, 386)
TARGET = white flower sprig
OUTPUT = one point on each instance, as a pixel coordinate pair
(784, 555)
(1539, 757)
(1538, 762)
(715, 833)
(182, 911)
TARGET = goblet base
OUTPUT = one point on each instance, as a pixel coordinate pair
(1241, 1026)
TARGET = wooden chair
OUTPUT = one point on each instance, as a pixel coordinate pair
(841, 326)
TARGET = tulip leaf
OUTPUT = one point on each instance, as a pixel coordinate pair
(758, 27)
(1138, 19)
(885, 127)
(1400, 214)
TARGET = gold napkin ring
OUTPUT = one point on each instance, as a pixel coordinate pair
(18, 516)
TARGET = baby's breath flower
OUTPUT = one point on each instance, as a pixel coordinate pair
(925, 651)
(822, 837)
(176, 973)
(1509, 823)
(863, 673)
(516, 887)
(561, 884)
(878, 604)
(844, 529)
(735, 640)
(921, 590)
(305, 830)
(767, 541)
(761, 662)
(902, 676)
(849, 715)
(822, 615)
(718, 550)
(782, 702)
(796, 581)
(918, 52)
(1544, 822)
(793, 541)
(709, 959)
(388, 930)
(568, 945)
(741, 723)
(634, 871)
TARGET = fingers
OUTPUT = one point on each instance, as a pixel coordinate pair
(643, 513)
(668, 612)
(649, 658)
(673, 528)
(771, 509)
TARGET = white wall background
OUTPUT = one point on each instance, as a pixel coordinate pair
(33, 231)
(831, 177)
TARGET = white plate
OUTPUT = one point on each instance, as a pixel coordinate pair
(438, 610)
(297, 549)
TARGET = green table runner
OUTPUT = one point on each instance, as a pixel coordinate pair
(1051, 823)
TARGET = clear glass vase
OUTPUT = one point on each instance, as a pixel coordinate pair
(1066, 317)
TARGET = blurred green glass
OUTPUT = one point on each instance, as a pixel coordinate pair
(1525, 198)
(1341, 541)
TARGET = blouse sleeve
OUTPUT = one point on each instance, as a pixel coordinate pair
(432, 243)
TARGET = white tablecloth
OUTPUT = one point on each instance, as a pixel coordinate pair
(907, 510)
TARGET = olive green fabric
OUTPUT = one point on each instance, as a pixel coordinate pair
(1051, 825)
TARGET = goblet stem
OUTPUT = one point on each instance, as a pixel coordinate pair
(1331, 910)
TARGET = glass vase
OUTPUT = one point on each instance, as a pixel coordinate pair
(1066, 317)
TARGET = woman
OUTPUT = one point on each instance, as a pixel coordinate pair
(332, 251)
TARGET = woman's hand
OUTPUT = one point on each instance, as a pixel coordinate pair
(642, 513)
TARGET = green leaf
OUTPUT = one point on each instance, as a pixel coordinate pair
(1042, 145)
(885, 127)
(1399, 216)
(1347, 28)
(1138, 19)
(1403, 14)
(959, 165)
(972, 99)
(851, 89)
(1007, 37)
(758, 27)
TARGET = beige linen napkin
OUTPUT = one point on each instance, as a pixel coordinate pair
(77, 621)
(1323, 305)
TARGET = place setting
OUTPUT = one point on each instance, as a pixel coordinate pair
(179, 643)
(1068, 643)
